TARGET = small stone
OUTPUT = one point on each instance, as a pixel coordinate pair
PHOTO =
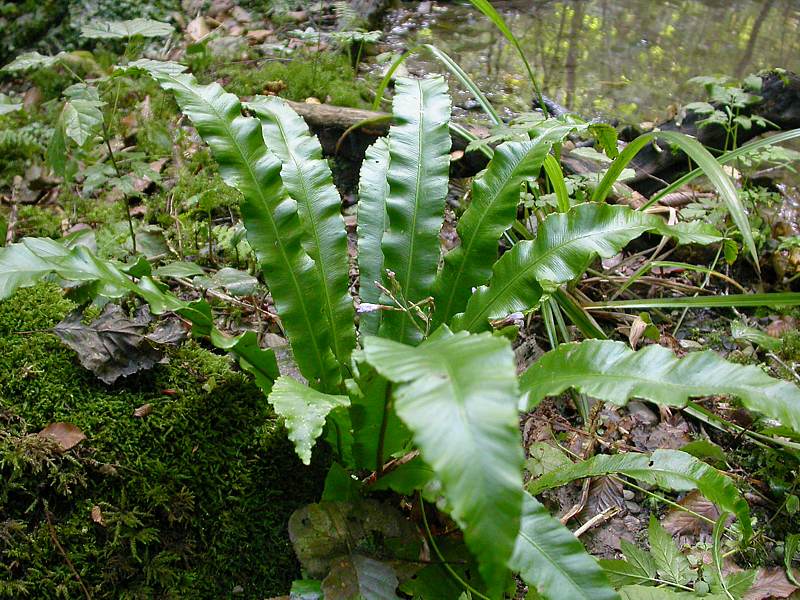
(628, 494)
(642, 413)
(632, 523)
(257, 36)
(241, 15)
(633, 508)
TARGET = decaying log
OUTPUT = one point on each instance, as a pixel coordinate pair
(329, 122)
(780, 105)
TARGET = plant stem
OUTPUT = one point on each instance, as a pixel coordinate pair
(440, 556)
(382, 434)
(124, 195)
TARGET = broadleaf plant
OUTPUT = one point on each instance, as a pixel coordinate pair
(414, 393)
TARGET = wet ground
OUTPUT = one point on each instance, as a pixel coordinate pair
(623, 59)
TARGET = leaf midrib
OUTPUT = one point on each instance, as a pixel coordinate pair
(413, 237)
(451, 295)
(278, 243)
(554, 564)
(320, 261)
(630, 377)
(520, 274)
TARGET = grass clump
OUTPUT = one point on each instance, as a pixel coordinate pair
(193, 498)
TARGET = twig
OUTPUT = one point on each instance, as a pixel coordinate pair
(441, 557)
(229, 299)
(12, 223)
(596, 520)
(63, 553)
(784, 365)
(382, 436)
(391, 466)
(590, 445)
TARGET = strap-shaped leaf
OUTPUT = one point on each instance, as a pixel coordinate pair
(376, 427)
(304, 411)
(611, 371)
(492, 210)
(548, 556)
(419, 159)
(456, 392)
(373, 188)
(273, 226)
(307, 177)
(668, 469)
(19, 267)
(705, 161)
(565, 245)
(124, 29)
(26, 263)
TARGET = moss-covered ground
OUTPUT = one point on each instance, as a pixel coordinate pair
(192, 499)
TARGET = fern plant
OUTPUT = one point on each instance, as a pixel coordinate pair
(414, 392)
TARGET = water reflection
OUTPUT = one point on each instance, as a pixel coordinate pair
(626, 59)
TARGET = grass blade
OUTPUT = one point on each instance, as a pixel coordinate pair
(743, 150)
(705, 162)
(733, 300)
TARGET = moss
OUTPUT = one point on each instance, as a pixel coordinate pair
(194, 501)
(327, 76)
(34, 221)
(790, 350)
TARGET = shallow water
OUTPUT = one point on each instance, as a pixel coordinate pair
(621, 59)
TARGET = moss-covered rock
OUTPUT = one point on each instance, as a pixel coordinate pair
(192, 500)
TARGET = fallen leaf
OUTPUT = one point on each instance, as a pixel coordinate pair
(637, 331)
(143, 411)
(197, 28)
(97, 516)
(169, 331)
(604, 493)
(112, 346)
(680, 522)
(66, 435)
(257, 36)
(780, 326)
(770, 583)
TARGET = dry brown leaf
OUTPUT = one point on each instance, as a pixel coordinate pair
(258, 36)
(66, 435)
(780, 326)
(770, 583)
(143, 411)
(197, 28)
(680, 522)
(604, 493)
(636, 332)
(97, 516)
